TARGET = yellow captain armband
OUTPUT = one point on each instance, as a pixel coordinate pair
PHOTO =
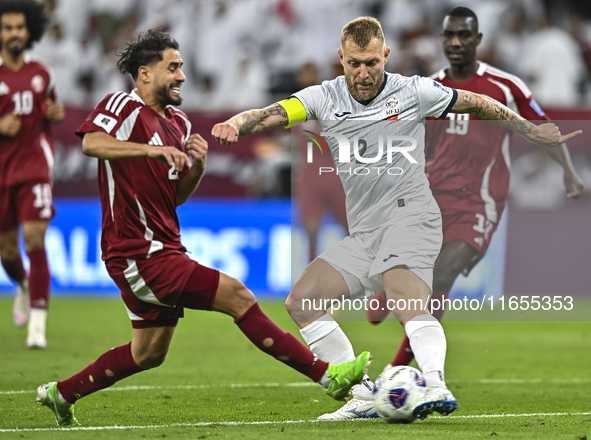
(296, 113)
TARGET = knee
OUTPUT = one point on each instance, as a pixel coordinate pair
(243, 299)
(150, 359)
(34, 242)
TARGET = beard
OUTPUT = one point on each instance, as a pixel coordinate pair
(163, 91)
(370, 94)
(15, 51)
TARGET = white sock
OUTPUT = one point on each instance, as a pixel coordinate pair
(328, 341)
(428, 344)
(37, 320)
(61, 398)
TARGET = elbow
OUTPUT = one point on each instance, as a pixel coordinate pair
(88, 146)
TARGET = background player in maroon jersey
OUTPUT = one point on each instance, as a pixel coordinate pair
(144, 174)
(27, 107)
(467, 161)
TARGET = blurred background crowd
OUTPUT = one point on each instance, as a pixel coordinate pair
(247, 53)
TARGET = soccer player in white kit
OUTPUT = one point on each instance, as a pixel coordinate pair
(394, 222)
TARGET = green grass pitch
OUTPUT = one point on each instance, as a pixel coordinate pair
(512, 380)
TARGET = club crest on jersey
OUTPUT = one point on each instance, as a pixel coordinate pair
(4, 89)
(392, 106)
(37, 83)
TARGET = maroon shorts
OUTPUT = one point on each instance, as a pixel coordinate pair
(155, 290)
(469, 227)
(28, 201)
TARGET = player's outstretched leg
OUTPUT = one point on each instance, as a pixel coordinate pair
(49, 396)
(234, 299)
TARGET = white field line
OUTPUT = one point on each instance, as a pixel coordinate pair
(573, 381)
(265, 422)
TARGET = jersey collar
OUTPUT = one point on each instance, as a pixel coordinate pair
(368, 101)
(136, 97)
(27, 59)
(480, 70)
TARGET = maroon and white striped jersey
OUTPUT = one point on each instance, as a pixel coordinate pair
(28, 156)
(138, 196)
(468, 159)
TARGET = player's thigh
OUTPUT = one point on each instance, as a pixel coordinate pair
(315, 291)
(232, 297)
(149, 346)
(407, 294)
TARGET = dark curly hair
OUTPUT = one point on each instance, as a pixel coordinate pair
(146, 49)
(34, 14)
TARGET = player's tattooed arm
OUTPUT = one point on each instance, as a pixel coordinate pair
(250, 122)
(547, 135)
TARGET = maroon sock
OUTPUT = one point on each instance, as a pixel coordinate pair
(282, 345)
(39, 279)
(404, 356)
(15, 269)
(110, 367)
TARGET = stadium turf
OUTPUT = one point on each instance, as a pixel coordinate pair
(512, 380)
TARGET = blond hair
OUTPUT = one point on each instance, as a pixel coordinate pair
(361, 31)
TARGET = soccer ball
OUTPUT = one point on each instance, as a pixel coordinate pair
(396, 391)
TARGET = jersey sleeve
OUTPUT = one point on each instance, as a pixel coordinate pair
(435, 99)
(110, 115)
(312, 98)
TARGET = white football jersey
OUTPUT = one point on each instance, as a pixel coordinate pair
(378, 145)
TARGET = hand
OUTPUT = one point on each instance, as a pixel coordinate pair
(197, 148)
(573, 184)
(170, 155)
(10, 125)
(548, 135)
(225, 133)
(55, 111)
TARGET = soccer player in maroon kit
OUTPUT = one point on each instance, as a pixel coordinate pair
(468, 161)
(27, 106)
(144, 174)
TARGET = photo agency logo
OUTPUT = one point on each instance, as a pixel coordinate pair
(363, 158)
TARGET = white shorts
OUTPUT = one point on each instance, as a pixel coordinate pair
(414, 240)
